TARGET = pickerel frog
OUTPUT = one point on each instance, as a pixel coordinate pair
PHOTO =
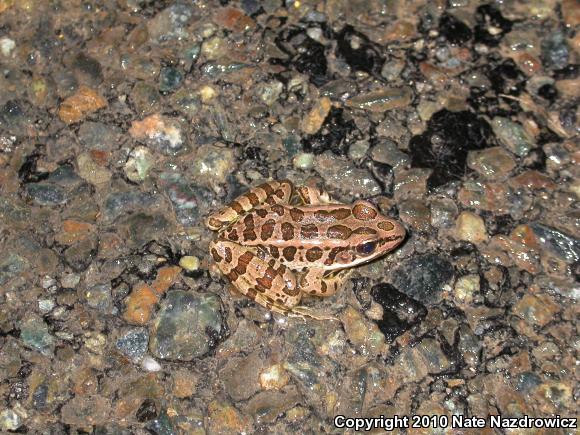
(274, 252)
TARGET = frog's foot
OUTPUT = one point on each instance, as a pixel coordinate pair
(307, 313)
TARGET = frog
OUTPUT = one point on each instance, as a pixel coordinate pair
(277, 242)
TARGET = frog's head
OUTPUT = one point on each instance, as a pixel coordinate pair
(373, 236)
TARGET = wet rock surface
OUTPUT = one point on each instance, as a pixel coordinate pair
(123, 124)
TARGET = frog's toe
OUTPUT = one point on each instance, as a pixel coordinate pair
(307, 313)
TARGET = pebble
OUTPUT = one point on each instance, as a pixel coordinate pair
(187, 326)
(6, 46)
(416, 214)
(10, 266)
(555, 51)
(358, 150)
(386, 151)
(303, 161)
(423, 277)
(268, 93)
(493, 163)
(466, 288)
(9, 420)
(189, 262)
(312, 121)
(335, 170)
(84, 102)
(443, 212)
(513, 136)
(214, 164)
(47, 193)
(34, 334)
(133, 344)
(240, 376)
(139, 304)
(382, 100)
(536, 309)
(150, 365)
(364, 335)
(99, 297)
(46, 305)
(170, 79)
(159, 132)
(564, 246)
(139, 164)
(225, 418)
(171, 23)
(274, 377)
(471, 228)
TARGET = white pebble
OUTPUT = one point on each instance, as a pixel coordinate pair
(6, 46)
(150, 365)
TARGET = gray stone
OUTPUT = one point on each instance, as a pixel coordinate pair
(188, 325)
(512, 135)
(422, 277)
(34, 334)
(133, 344)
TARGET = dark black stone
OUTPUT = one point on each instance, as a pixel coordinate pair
(400, 312)
(331, 135)
(422, 277)
(365, 58)
(383, 174)
(502, 224)
(443, 147)
(454, 30)
(254, 153)
(28, 172)
(506, 78)
(485, 16)
(306, 55)
(89, 67)
(312, 62)
(548, 92)
(147, 411)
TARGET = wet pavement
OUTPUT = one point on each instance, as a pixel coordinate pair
(124, 123)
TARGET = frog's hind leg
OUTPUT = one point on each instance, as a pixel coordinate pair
(314, 196)
(266, 281)
(272, 192)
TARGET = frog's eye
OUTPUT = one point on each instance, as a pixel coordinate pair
(366, 248)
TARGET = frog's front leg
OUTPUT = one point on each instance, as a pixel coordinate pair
(318, 282)
(272, 192)
(262, 279)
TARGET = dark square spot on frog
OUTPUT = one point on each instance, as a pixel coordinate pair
(233, 235)
(296, 214)
(309, 231)
(289, 252)
(278, 209)
(314, 254)
(340, 213)
(267, 229)
(338, 232)
(287, 231)
(262, 212)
